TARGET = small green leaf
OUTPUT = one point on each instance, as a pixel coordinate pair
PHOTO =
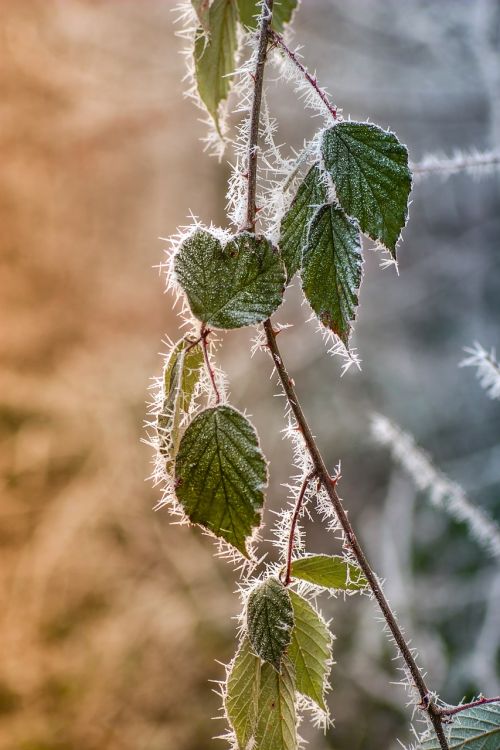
(231, 286)
(220, 475)
(312, 193)
(472, 729)
(214, 55)
(201, 8)
(369, 167)
(180, 376)
(332, 268)
(329, 571)
(277, 722)
(310, 650)
(242, 693)
(270, 620)
(249, 11)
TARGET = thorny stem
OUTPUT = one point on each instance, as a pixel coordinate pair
(278, 39)
(265, 21)
(319, 465)
(465, 706)
(322, 472)
(204, 334)
(293, 525)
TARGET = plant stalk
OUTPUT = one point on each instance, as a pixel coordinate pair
(319, 465)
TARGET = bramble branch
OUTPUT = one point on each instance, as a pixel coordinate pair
(280, 42)
(319, 466)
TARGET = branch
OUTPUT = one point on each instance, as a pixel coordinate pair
(293, 525)
(320, 469)
(204, 334)
(280, 42)
(265, 22)
(317, 460)
(465, 706)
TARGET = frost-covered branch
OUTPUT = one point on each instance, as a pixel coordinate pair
(475, 164)
(442, 491)
(488, 368)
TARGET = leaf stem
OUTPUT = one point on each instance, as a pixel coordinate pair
(465, 706)
(319, 465)
(279, 41)
(204, 334)
(293, 525)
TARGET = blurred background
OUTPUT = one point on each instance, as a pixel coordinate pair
(111, 619)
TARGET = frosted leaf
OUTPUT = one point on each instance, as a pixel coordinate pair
(312, 193)
(277, 723)
(214, 54)
(369, 168)
(233, 285)
(270, 620)
(332, 269)
(329, 572)
(475, 728)
(310, 650)
(242, 693)
(220, 474)
(180, 377)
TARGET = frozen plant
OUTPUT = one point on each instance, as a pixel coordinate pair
(303, 215)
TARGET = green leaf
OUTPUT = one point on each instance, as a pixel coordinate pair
(329, 571)
(249, 11)
(214, 55)
(201, 8)
(311, 194)
(310, 650)
(270, 620)
(242, 693)
(332, 268)
(180, 376)
(372, 180)
(277, 722)
(472, 729)
(233, 285)
(220, 475)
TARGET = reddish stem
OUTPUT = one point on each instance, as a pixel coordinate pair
(465, 706)
(293, 525)
(204, 334)
(278, 39)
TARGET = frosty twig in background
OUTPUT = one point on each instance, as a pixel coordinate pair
(442, 492)
(488, 368)
(475, 164)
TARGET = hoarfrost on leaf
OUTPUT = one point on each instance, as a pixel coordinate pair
(310, 650)
(369, 168)
(277, 723)
(312, 193)
(270, 620)
(332, 269)
(233, 285)
(214, 54)
(329, 571)
(242, 693)
(220, 474)
(180, 377)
